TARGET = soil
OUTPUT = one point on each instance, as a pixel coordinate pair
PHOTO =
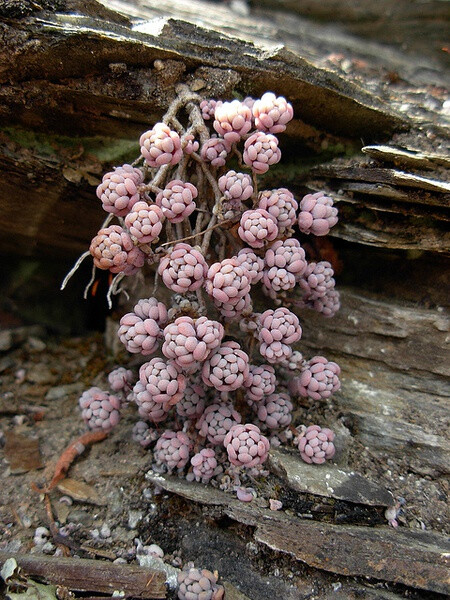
(120, 507)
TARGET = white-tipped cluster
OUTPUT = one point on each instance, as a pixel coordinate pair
(120, 379)
(271, 113)
(119, 189)
(163, 381)
(184, 269)
(100, 410)
(281, 205)
(227, 368)
(188, 342)
(172, 450)
(140, 330)
(252, 263)
(216, 422)
(236, 187)
(112, 248)
(148, 409)
(317, 281)
(316, 444)
(317, 214)
(215, 151)
(285, 262)
(145, 222)
(199, 585)
(278, 329)
(161, 146)
(275, 411)
(177, 200)
(143, 434)
(232, 120)
(204, 464)
(260, 383)
(246, 446)
(260, 151)
(257, 227)
(192, 404)
(227, 282)
(319, 378)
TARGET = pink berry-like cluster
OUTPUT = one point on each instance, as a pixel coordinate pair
(223, 377)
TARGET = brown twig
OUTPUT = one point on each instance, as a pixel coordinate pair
(74, 449)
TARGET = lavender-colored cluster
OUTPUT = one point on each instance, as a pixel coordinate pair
(196, 584)
(236, 273)
(316, 444)
(100, 410)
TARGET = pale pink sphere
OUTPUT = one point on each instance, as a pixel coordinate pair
(162, 380)
(227, 281)
(184, 345)
(215, 151)
(232, 120)
(319, 378)
(232, 310)
(260, 383)
(236, 186)
(275, 411)
(196, 584)
(317, 280)
(260, 151)
(161, 146)
(204, 464)
(184, 269)
(226, 368)
(119, 189)
(145, 222)
(216, 422)
(316, 444)
(281, 204)
(253, 263)
(173, 449)
(177, 200)
(112, 248)
(272, 113)
(257, 227)
(100, 410)
(120, 379)
(246, 446)
(148, 409)
(192, 404)
(278, 329)
(139, 335)
(317, 214)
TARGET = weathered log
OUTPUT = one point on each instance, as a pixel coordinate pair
(416, 559)
(84, 575)
(93, 73)
(394, 362)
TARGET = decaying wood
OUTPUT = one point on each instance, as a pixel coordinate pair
(70, 77)
(416, 559)
(331, 481)
(83, 575)
(394, 361)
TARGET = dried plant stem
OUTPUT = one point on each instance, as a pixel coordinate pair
(74, 269)
(209, 176)
(114, 288)
(206, 231)
(90, 282)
